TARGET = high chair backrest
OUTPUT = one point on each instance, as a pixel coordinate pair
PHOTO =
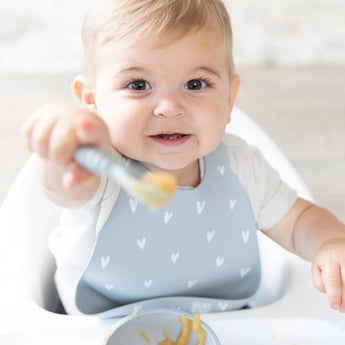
(26, 219)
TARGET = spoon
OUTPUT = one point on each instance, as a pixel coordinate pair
(153, 188)
(152, 327)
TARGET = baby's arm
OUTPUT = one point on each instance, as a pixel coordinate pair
(55, 132)
(316, 235)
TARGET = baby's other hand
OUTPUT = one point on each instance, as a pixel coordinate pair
(329, 272)
(55, 131)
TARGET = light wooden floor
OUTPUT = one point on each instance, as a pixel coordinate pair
(303, 110)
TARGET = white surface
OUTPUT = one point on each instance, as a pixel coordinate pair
(44, 35)
(59, 336)
(284, 331)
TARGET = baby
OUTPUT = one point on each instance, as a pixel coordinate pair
(158, 90)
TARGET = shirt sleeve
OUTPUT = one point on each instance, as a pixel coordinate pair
(270, 197)
(73, 239)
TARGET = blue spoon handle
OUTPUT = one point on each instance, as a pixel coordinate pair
(95, 160)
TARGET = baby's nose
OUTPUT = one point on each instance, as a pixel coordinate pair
(169, 106)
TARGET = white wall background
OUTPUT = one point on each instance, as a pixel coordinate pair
(44, 35)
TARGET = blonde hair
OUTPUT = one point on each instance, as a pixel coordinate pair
(163, 20)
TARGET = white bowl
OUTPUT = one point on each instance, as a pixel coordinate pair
(148, 327)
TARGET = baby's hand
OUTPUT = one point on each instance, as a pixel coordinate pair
(55, 132)
(329, 272)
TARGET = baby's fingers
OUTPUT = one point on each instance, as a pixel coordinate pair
(27, 129)
(76, 176)
(93, 131)
(317, 278)
(35, 132)
(63, 143)
(40, 133)
(332, 280)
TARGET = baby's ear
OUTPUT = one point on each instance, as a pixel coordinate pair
(82, 90)
(235, 85)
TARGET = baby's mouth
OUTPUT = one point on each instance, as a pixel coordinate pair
(173, 136)
(171, 139)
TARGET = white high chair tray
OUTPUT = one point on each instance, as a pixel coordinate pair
(281, 331)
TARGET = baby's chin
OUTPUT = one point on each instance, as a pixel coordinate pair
(171, 164)
(187, 173)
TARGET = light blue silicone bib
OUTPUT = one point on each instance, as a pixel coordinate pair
(198, 254)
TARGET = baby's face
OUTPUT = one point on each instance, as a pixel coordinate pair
(165, 106)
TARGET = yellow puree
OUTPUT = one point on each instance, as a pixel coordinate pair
(163, 182)
(185, 334)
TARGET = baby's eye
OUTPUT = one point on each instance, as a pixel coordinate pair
(139, 85)
(195, 84)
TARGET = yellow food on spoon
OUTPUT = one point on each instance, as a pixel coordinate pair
(164, 188)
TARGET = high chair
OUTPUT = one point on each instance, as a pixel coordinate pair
(287, 309)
